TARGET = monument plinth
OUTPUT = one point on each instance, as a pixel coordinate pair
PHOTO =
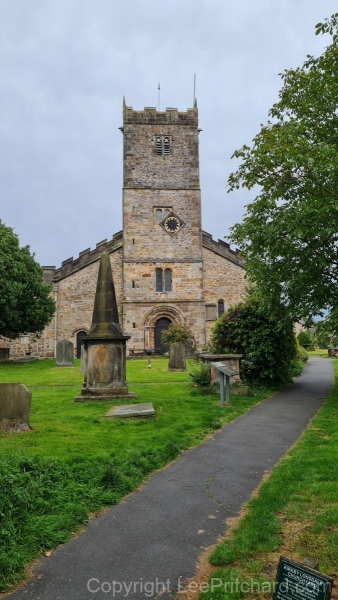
(103, 360)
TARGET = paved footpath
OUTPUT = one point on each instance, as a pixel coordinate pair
(153, 539)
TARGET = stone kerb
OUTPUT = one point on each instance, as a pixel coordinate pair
(15, 403)
(177, 353)
(64, 353)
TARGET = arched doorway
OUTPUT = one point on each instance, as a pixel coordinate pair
(79, 342)
(161, 325)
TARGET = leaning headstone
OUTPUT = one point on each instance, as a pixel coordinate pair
(64, 354)
(177, 352)
(15, 403)
(190, 348)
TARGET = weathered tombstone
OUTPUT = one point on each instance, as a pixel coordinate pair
(103, 358)
(64, 354)
(132, 410)
(15, 403)
(177, 352)
(190, 348)
(4, 355)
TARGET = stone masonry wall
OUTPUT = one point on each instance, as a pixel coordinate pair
(141, 314)
(146, 239)
(76, 294)
(223, 280)
(31, 346)
(142, 167)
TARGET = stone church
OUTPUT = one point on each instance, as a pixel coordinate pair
(166, 269)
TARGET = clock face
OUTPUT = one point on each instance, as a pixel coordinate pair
(172, 224)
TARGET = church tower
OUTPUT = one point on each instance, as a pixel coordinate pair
(162, 236)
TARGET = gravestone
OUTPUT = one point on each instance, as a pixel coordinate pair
(64, 354)
(15, 403)
(132, 410)
(177, 352)
(190, 348)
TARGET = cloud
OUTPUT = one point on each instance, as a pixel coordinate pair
(66, 65)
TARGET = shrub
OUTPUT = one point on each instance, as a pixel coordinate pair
(302, 355)
(200, 375)
(264, 337)
(176, 333)
(305, 339)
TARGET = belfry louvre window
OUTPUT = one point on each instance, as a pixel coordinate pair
(162, 145)
(163, 280)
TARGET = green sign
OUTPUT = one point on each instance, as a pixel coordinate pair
(298, 582)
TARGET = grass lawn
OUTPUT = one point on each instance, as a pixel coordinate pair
(319, 352)
(294, 514)
(75, 461)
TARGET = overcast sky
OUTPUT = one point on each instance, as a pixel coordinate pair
(65, 66)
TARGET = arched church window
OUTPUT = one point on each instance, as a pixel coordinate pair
(220, 307)
(159, 280)
(167, 280)
(161, 213)
(163, 280)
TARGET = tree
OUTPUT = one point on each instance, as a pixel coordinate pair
(25, 303)
(324, 335)
(265, 338)
(289, 235)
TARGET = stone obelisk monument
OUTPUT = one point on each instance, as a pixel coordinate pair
(104, 351)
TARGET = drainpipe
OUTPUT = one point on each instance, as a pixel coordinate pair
(56, 289)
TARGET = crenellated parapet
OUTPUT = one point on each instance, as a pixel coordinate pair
(85, 258)
(152, 116)
(223, 249)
